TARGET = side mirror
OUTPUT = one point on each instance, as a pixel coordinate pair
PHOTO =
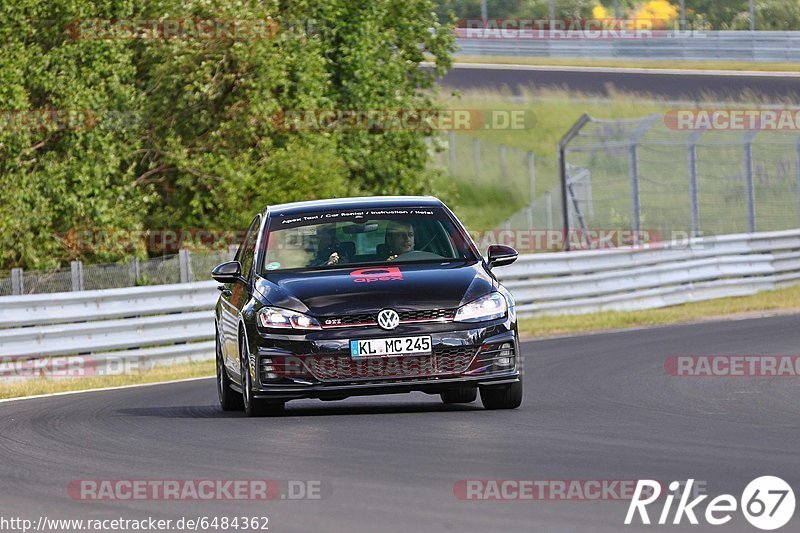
(500, 255)
(230, 272)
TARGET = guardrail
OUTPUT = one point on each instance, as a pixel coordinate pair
(697, 45)
(174, 323)
(107, 331)
(700, 269)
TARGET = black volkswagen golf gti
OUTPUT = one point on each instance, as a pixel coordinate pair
(336, 298)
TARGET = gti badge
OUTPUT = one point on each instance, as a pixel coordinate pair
(388, 319)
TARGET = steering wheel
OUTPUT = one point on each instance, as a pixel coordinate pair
(419, 254)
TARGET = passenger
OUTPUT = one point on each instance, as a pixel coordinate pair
(328, 248)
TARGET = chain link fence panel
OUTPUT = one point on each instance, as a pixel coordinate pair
(155, 271)
(644, 175)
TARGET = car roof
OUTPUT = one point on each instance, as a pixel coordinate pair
(362, 202)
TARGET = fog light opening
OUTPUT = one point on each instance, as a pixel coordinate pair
(505, 356)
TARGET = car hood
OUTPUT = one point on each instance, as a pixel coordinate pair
(366, 290)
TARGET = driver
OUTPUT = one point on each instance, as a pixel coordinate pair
(399, 238)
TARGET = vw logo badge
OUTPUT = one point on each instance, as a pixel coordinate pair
(388, 319)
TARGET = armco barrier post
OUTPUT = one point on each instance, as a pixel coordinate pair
(185, 265)
(17, 281)
(633, 169)
(751, 192)
(693, 202)
(636, 211)
(77, 275)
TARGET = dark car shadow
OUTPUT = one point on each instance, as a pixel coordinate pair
(320, 409)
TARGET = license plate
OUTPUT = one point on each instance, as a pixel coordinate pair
(393, 346)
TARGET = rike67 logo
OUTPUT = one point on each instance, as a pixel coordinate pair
(767, 503)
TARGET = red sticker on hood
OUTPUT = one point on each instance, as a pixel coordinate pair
(368, 275)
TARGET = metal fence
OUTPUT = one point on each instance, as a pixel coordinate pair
(184, 267)
(693, 45)
(642, 175)
(498, 169)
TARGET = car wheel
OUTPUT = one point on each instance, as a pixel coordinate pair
(229, 399)
(460, 395)
(252, 406)
(502, 397)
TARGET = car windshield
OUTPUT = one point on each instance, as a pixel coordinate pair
(331, 239)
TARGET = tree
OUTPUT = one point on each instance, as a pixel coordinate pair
(771, 15)
(716, 14)
(182, 132)
(57, 179)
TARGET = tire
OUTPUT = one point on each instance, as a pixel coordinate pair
(254, 407)
(229, 399)
(460, 395)
(502, 397)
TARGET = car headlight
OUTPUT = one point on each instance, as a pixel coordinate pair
(487, 307)
(275, 317)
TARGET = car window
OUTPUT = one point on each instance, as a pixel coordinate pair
(247, 250)
(322, 240)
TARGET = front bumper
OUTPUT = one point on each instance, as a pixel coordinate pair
(330, 391)
(319, 365)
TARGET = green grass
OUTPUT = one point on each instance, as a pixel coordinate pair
(619, 63)
(787, 300)
(36, 386)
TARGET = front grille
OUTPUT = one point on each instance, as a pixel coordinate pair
(445, 361)
(406, 317)
(348, 320)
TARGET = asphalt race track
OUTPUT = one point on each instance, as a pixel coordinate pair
(596, 407)
(673, 85)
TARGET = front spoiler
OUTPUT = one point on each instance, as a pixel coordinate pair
(336, 391)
